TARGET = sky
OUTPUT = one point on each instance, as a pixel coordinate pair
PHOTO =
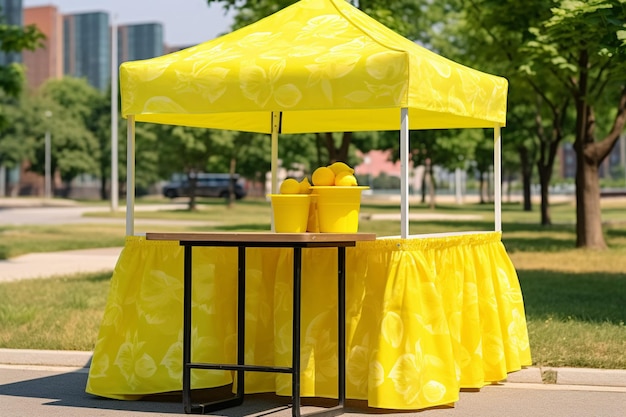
(185, 22)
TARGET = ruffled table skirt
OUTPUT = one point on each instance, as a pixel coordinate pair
(425, 318)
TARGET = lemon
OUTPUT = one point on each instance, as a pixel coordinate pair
(338, 167)
(323, 176)
(290, 186)
(345, 179)
(305, 186)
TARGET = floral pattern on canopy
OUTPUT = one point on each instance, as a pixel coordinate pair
(325, 65)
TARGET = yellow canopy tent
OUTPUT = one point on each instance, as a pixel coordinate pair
(318, 66)
(315, 66)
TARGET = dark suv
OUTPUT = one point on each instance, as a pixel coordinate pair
(207, 185)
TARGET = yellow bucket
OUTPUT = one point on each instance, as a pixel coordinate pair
(291, 212)
(313, 225)
(338, 208)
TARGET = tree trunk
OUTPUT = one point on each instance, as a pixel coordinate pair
(482, 185)
(431, 184)
(424, 185)
(231, 182)
(103, 188)
(588, 211)
(318, 147)
(589, 156)
(338, 154)
(545, 198)
(346, 140)
(548, 148)
(527, 172)
(192, 192)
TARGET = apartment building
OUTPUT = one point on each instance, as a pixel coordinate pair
(45, 63)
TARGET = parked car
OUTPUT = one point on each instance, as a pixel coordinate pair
(207, 185)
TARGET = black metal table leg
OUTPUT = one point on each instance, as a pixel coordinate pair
(341, 335)
(240, 366)
(341, 325)
(295, 338)
(203, 408)
(241, 320)
(187, 330)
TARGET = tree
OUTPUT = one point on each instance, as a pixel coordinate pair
(183, 149)
(74, 148)
(495, 32)
(584, 45)
(15, 38)
(148, 169)
(571, 54)
(14, 148)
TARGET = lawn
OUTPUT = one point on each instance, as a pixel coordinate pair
(575, 299)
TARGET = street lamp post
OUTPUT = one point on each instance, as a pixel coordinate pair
(48, 158)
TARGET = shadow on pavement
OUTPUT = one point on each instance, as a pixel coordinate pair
(68, 390)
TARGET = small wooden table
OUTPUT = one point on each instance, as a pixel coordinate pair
(243, 240)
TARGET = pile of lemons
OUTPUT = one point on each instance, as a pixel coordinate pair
(335, 174)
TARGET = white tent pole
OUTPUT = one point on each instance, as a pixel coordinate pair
(497, 177)
(274, 157)
(130, 176)
(404, 173)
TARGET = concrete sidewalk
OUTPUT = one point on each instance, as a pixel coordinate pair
(54, 264)
(52, 383)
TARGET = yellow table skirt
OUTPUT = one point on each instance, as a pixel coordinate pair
(425, 317)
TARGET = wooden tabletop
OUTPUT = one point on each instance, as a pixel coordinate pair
(261, 237)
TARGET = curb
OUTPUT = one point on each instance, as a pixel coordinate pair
(530, 375)
(33, 357)
(584, 376)
(570, 376)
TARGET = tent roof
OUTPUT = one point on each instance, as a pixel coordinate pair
(325, 65)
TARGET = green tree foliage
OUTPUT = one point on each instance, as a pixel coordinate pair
(74, 148)
(185, 150)
(15, 39)
(565, 60)
(583, 46)
(148, 169)
(14, 147)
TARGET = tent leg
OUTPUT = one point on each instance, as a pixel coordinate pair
(130, 176)
(497, 177)
(274, 155)
(404, 173)
(274, 159)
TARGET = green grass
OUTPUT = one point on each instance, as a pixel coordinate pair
(60, 313)
(575, 299)
(576, 319)
(34, 239)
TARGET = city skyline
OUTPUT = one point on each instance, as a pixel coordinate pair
(192, 21)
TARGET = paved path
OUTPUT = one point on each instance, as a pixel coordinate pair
(54, 264)
(34, 391)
